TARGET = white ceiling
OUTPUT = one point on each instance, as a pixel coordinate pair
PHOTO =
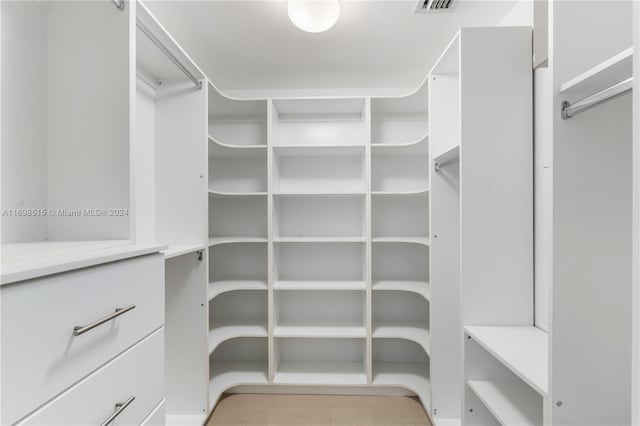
(248, 45)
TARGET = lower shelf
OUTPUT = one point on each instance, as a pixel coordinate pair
(410, 375)
(319, 285)
(230, 329)
(218, 287)
(509, 403)
(414, 331)
(320, 373)
(334, 329)
(227, 374)
(420, 287)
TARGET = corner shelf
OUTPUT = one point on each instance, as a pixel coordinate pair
(250, 149)
(219, 193)
(522, 349)
(226, 374)
(409, 240)
(411, 375)
(216, 288)
(414, 331)
(175, 250)
(319, 240)
(419, 287)
(507, 402)
(400, 193)
(214, 241)
(221, 331)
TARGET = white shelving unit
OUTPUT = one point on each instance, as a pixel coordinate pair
(482, 231)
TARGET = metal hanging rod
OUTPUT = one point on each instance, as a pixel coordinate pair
(119, 4)
(168, 53)
(569, 110)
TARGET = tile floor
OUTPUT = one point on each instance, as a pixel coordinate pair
(317, 410)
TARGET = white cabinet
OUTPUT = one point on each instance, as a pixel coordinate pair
(58, 329)
(480, 100)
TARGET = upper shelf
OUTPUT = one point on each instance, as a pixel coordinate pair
(605, 74)
(522, 349)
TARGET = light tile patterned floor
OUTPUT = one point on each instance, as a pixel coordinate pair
(317, 410)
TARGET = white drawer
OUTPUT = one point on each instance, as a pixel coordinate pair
(41, 357)
(138, 373)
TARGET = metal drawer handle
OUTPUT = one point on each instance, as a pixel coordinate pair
(120, 406)
(81, 329)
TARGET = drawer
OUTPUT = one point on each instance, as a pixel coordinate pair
(41, 357)
(136, 373)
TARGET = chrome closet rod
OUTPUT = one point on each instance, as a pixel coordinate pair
(572, 109)
(168, 53)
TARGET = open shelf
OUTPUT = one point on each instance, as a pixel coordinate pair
(238, 217)
(237, 314)
(522, 349)
(219, 193)
(338, 122)
(319, 239)
(400, 216)
(216, 288)
(400, 262)
(240, 361)
(319, 173)
(612, 70)
(235, 150)
(238, 174)
(315, 150)
(320, 285)
(237, 122)
(419, 287)
(400, 120)
(214, 241)
(418, 191)
(319, 193)
(402, 363)
(400, 315)
(507, 402)
(328, 329)
(221, 331)
(401, 172)
(415, 331)
(406, 240)
(319, 314)
(320, 361)
(416, 147)
(319, 262)
(238, 262)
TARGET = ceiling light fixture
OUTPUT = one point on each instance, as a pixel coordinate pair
(313, 16)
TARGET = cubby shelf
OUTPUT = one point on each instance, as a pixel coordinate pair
(420, 287)
(414, 331)
(328, 329)
(319, 239)
(219, 193)
(305, 150)
(507, 402)
(318, 193)
(220, 331)
(522, 349)
(216, 288)
(415, 147)
(319, 285)
(214, 241)
(409, 240)
(321, 373)
(226, 374)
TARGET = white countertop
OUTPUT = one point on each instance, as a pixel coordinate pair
(23, 261)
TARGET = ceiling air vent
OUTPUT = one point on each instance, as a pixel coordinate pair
(426, 6)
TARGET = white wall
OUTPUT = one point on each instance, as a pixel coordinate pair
(23, 150)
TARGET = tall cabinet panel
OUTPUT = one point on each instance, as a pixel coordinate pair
(482, 226)
(65, 138)
(591, 311)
